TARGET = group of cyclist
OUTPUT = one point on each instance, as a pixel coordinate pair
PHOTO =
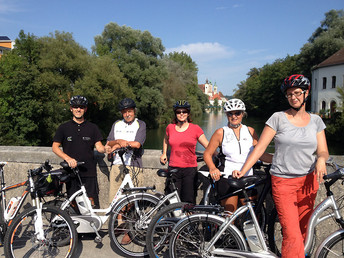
(295, 171)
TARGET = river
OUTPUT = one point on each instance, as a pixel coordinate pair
(211, 121)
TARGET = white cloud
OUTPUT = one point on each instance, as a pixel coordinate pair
(204, 51)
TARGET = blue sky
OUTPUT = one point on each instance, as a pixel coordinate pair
(226, 38)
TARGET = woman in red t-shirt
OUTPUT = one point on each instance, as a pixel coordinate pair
(182, 137)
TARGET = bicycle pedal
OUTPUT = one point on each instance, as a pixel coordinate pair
(98, 240)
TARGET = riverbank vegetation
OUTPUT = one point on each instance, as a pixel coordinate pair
(261, 90)
(40, 74)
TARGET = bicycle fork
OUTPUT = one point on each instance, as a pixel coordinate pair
(39, 223)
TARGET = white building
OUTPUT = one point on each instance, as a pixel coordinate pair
(211, 91)
(326, 78)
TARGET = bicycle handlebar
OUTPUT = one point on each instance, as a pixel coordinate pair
(64, 164)
(339, 173)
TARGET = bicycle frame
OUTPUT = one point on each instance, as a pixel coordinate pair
(3, 191)
(82, 192)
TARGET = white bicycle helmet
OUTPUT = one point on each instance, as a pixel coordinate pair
(233, 105)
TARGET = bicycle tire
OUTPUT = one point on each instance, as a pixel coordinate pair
(127, 229)
(190, 236)
(333, 248)
(159, 229)
(70, 211)
(21, 241)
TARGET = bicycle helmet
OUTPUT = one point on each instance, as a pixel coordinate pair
(78, 101)
(126, 103)
(295, 81)
(233, 105)
(182, 104)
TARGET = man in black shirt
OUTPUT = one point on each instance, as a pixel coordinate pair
(78, 138)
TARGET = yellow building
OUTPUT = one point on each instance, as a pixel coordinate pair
(5, 44)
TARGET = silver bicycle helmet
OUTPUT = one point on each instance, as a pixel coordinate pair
(233, 105)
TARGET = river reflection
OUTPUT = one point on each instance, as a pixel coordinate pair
(211, 121)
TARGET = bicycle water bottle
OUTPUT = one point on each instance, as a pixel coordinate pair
(251, 236)
(80, 201)
(11, 207)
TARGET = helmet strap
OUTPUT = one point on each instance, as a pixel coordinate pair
(181, 122)
(234, 126)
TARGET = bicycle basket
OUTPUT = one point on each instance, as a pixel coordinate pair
(47, 185)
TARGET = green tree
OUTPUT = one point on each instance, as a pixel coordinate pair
(181, 83)
(324, 42)
(21, 94)
(138, 56)
(261, 91)
(39, 77)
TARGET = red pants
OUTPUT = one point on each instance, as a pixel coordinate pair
(294, 199)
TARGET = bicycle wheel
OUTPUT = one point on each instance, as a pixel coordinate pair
(128, 225)
(333, 248)
(190, 237)
(21, 238)
(159, 229)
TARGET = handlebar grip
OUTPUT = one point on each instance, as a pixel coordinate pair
(64, 164)
(335, 175)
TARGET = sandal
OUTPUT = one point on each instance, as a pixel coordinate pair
(126, 240)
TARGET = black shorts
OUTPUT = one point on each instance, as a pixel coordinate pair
(91, 185)
(185, 179)
(223, 188)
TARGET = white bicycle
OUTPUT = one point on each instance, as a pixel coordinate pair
(90, 220)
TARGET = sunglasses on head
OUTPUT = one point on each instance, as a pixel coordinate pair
(76, 107)
(236, 113)
(182, 112)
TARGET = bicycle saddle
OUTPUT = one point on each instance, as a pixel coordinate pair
(243, 182)
(164, 172)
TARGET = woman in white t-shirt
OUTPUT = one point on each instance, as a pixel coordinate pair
(236, 141)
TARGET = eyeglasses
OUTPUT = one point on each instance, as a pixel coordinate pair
(178, 112)
(76, 107)
(296, 94)
(236, 113)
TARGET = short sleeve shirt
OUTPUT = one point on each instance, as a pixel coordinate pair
(78, 142)
(294, 146)
(135, 131)
(183, 145)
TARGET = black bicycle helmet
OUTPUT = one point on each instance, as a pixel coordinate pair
(295, 81)
(182, 104)
(126, 103)
(78, 101)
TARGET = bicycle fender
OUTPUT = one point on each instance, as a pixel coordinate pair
(327, 239)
